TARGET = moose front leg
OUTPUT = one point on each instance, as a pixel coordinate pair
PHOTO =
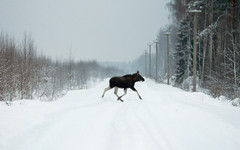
(138, 95)
(137, 92)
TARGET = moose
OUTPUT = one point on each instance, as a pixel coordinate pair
(125, 82)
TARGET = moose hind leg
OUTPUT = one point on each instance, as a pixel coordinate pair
(115, 92)
(105, 90)
(125, 92)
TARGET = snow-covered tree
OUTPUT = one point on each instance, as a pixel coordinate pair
(183, 52)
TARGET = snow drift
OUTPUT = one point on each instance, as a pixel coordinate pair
(167, 118)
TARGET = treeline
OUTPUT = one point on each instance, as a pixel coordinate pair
(26, 75)
(218, 44)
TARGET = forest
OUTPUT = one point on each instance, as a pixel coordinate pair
(218, 44)
(25, 74)
(218, 47)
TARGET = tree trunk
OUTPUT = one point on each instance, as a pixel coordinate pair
(204, 48)
(210, 40)
(233, 40)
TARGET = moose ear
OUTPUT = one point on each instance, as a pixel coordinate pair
(138, 72)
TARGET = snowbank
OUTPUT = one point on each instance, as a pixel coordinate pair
(167, 118)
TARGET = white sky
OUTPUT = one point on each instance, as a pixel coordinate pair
(104, 30)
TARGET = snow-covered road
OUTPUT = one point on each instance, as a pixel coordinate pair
(166, 119)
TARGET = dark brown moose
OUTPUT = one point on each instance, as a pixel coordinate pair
(126, 81)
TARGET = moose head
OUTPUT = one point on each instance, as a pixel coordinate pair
(137, 77)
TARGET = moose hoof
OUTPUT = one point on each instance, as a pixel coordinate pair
(119, 99)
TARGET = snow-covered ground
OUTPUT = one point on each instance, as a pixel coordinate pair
(166, 119)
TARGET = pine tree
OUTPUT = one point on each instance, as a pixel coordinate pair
(182, 53)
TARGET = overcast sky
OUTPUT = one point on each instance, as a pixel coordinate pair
(114, 30)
